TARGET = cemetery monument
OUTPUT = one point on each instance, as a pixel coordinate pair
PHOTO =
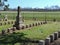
(19, 22)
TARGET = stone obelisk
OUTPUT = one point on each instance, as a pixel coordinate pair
(18, 23)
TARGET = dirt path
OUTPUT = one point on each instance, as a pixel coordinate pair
(57, 42)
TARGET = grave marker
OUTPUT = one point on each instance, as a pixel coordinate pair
(5, 18)
(18, 23)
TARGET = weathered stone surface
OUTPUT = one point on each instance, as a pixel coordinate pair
(41, 42)
(27, 26)
(14, 28)
(33, 24)
(36, 24)
(8, 30)
(12, 22)
(58, 34)
(23, 27)
(18, 22)
(52, 38)
(55, 35)
(47, 41)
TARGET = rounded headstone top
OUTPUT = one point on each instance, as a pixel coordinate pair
(48, 38)
(56, 32)
(41, 40)
(52, 34)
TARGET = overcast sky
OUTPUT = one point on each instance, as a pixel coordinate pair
(33, 3)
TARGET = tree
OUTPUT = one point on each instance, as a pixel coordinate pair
(6, 7)
(2, 4)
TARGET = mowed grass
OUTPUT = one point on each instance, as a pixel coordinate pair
(42, 31)
(39, 32)
(4, 27)
(30, 15)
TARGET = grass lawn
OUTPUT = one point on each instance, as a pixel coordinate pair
(37, 32)
(42, 31)
(30, 21)
(29, 15)
(4, 27)
(34, 33)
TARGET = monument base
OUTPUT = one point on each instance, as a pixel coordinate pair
(18, 27)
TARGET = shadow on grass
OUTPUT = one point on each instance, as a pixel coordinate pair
(13, 38)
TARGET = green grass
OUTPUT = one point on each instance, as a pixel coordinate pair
(30, 15)
(4, 27)
(37, 32)
(41, 32)
(29, 21)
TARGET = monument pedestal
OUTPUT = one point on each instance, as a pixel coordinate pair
(18, 23)
(18, 26)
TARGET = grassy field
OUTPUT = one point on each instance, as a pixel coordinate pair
(34, 33)
(28, 17)
(42, 31)
(4, 27)
(31, 15)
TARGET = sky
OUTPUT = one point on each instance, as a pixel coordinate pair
(32, 3)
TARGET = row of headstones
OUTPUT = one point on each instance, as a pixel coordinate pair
(50, 39)
(9, 30)
(32, 25)
(3, 19)
(5, 23)
(12, 29)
